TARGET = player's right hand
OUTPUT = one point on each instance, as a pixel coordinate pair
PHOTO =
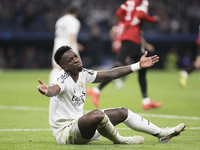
(42, 87)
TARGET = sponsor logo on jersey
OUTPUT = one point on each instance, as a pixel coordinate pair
(77, 101)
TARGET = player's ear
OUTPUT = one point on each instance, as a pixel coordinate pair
(64, 68)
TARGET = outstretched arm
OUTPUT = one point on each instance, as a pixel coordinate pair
(48, 90)
(118, 72)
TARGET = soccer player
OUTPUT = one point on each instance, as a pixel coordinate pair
(195, 65)
(66, 31)
(133, 13)
(67, 93)
(115, 35)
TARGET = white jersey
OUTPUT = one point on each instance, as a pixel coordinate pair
(64, 27)
(68, 104)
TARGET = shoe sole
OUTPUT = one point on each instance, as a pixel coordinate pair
(167, 138)
(152, 107)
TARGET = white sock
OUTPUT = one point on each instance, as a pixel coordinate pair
(146, 100)
(107, 130)
(96, 90)
(53, 73)
(140, 124)
(185, 74)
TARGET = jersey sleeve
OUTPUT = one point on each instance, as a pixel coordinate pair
(90, 75)
(121, 13)
(144, 17)
(198, 41)
(60, 79)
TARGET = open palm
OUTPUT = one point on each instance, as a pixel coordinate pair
(146, 62)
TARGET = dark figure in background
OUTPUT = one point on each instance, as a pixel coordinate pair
(95, 46)
(195, 65)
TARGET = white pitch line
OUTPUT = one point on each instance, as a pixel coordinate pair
(187, 128)
(24, 108)
(169, 116)
(6, 130)
(25, 129)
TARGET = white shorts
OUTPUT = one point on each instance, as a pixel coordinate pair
(70, 134)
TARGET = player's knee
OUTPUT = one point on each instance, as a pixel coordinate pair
(123, 112)
(98, 115)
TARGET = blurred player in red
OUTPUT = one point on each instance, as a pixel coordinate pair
(195, 65)
(133, 13)
(115, 35)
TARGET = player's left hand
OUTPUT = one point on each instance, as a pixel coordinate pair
(146, 62)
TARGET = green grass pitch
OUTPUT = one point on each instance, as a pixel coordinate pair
(24, 111)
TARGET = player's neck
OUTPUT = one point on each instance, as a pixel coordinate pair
(73, 15)
(74, 77)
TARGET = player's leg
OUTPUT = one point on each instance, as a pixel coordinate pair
(119, 83)
(103, 84)
(88, 123)
(116, 115)
(143, 82)
(185, 73)
(147, 103)
(120, 61)
(132, 120)
(140, 124)
(97, 119)
(95, 92)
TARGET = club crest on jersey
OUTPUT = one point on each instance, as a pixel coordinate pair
(80, 83)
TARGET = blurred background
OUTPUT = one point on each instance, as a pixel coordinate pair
(27, 31)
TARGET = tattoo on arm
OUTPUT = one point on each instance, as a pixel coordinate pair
(112, 74)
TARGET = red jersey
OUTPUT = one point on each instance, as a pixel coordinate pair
(198, 39)
(118, 29)
(132, 13)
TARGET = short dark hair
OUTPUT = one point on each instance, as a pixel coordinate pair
(72, 10)
(58, 54)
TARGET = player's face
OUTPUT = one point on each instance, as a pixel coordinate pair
(71, 62)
